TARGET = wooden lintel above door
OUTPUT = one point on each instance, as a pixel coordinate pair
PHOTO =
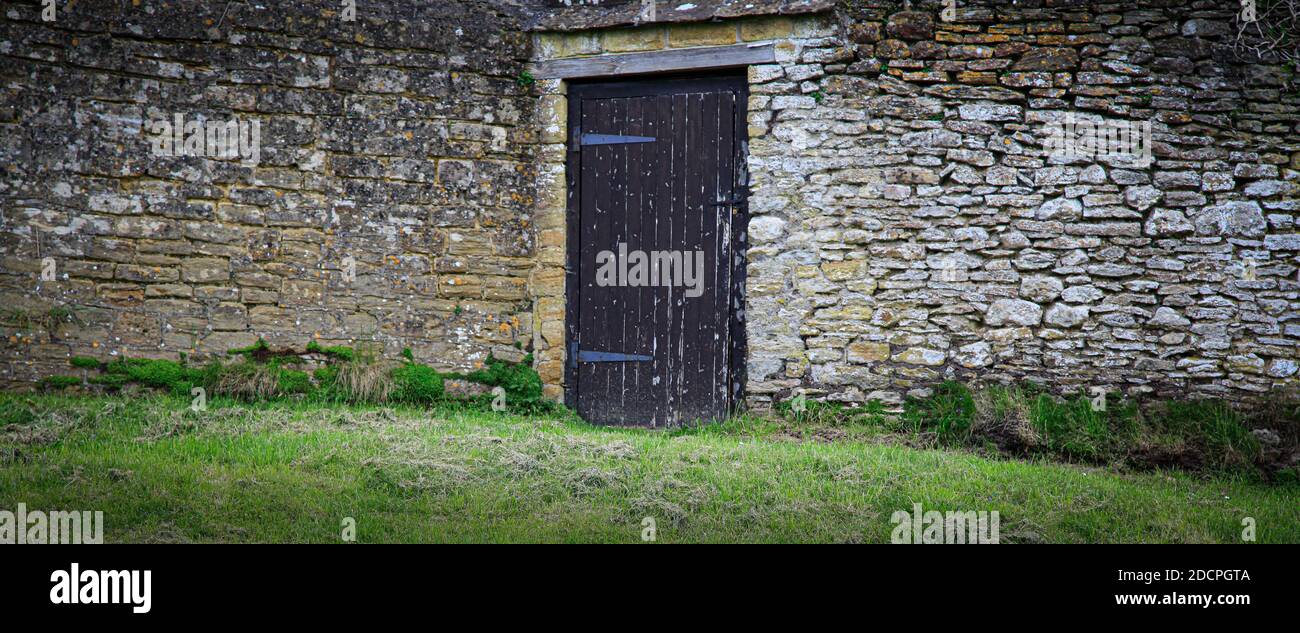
(657, 61)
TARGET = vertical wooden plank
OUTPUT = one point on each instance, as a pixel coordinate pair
(664, 188)
(600, 307)
(710, 212)
(718, 275)
(634, 323)
(739, 247)
(588, 396)
(678, 392)
(615, 217)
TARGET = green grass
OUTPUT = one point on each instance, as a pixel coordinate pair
(1205, 435)
(261, 374)
(291, 472)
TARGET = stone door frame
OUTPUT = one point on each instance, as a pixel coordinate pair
(754, 43)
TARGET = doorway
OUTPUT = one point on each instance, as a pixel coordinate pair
(655, 264)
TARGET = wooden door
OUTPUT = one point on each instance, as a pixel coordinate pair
(657, 222)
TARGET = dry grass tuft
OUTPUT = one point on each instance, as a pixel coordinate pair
(364, 380)
(249, 381)
(1006, 420)
(586, 481)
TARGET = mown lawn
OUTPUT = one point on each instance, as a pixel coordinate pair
(292, 473)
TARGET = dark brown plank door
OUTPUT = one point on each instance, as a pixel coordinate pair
(655, 203)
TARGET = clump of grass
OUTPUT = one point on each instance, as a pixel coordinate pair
(1212, 426)
(348, 375)
(416, 384)
(814, 412)
(85, 362)
(341, 352)
(249, 380)
(60, 382)
(162, 373)
(259, 346)
(291, 381)
(365, 380)
(1075, 429)
(522, 384)
(16, 412)
(1025, 419)
(110, 381)
(948, 412)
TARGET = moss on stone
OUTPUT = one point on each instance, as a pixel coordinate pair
(341, 352)
(60, 382)
(85, 362)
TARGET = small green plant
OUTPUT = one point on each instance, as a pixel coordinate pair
(294, 381)
(416, 384)
(110, 381)
(61, 314)
(522, 384)
(519, 380)
(815, 413)
(347, 376)
(341, 352)
(260, 346)
(60, 382)
(85, 362)
(818, 96)
(325, 374)
(948, 412)
(1077, 429)
(163, 374)
(525, 79)
(1214, 427)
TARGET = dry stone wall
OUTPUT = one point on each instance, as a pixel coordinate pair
(908, 225)
(397, 145)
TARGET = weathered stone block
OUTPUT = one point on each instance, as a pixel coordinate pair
(702, 34)
(205, 270)
(911, 25)
(867, 352)
(1013, 312)
(767, 28)
(632, 39)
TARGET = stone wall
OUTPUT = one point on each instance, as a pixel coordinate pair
(907, 224)
(909, 227)
(402, 140)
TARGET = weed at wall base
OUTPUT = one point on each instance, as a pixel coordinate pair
(1025, 420)
(344, 375)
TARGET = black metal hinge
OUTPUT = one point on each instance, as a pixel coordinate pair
(613, 139)
(589, 356)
